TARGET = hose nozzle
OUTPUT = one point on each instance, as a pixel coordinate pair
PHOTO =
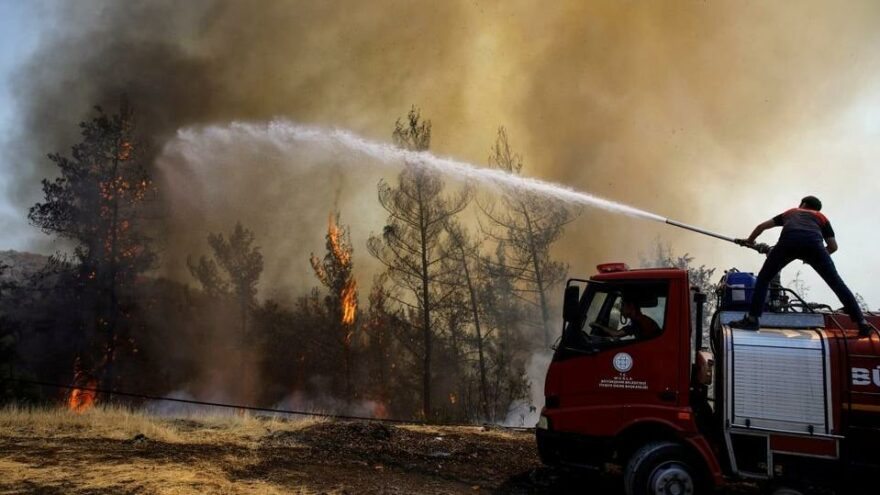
(759, 247)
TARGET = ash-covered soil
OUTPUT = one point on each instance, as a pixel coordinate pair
(272, 456)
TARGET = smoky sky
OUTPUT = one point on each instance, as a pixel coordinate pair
(641, 102)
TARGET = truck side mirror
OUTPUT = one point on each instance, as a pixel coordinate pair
(570, 305)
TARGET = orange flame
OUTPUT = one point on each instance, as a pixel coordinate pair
(349, 292)
(81, 400)
(339, 253)
(349, 302)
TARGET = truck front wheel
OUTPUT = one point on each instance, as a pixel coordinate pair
(662, 468)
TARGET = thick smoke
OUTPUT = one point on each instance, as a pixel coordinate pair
(180, 64)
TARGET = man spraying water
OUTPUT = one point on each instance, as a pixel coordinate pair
(807, 236)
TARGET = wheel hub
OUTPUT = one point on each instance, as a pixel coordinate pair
(672, 479)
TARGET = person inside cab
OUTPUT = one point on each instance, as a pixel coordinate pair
(636, 323)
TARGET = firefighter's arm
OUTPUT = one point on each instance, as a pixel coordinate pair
(831, 245)
(769, 224)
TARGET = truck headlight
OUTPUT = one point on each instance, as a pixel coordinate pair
(543, 423)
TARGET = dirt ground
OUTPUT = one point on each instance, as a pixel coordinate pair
(116, 451)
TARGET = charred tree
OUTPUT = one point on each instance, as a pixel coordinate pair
(528, 224)
(96, 203)
(410, 244)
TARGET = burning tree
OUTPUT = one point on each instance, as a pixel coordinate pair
(529, 224)
(410, 244)
(335, 272)
(96, 203)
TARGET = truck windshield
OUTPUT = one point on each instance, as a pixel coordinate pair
(616, 313)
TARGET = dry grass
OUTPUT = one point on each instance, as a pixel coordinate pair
(119, 423)
(132, 477)
(101, 422)
(53, 450)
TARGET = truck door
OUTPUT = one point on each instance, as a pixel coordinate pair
(621, 360)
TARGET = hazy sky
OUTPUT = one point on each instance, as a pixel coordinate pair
(719, 114)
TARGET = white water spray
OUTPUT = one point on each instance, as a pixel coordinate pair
(285, 134)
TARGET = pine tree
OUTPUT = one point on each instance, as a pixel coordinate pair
(527, 225)
(242, 265)
(410, 244)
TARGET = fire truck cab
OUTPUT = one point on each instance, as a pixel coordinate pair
(636, 381)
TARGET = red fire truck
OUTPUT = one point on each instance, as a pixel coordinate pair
(794, 406)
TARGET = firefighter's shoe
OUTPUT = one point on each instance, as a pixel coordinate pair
(749, 322)
(865, 329)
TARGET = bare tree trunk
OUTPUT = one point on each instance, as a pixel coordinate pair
(484, 401)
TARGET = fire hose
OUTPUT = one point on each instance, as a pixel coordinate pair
(759, 247)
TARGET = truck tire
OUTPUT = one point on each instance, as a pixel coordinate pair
(663, 468)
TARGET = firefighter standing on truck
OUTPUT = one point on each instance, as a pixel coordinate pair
(803, 231)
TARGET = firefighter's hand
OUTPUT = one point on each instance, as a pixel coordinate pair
(744, 242)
